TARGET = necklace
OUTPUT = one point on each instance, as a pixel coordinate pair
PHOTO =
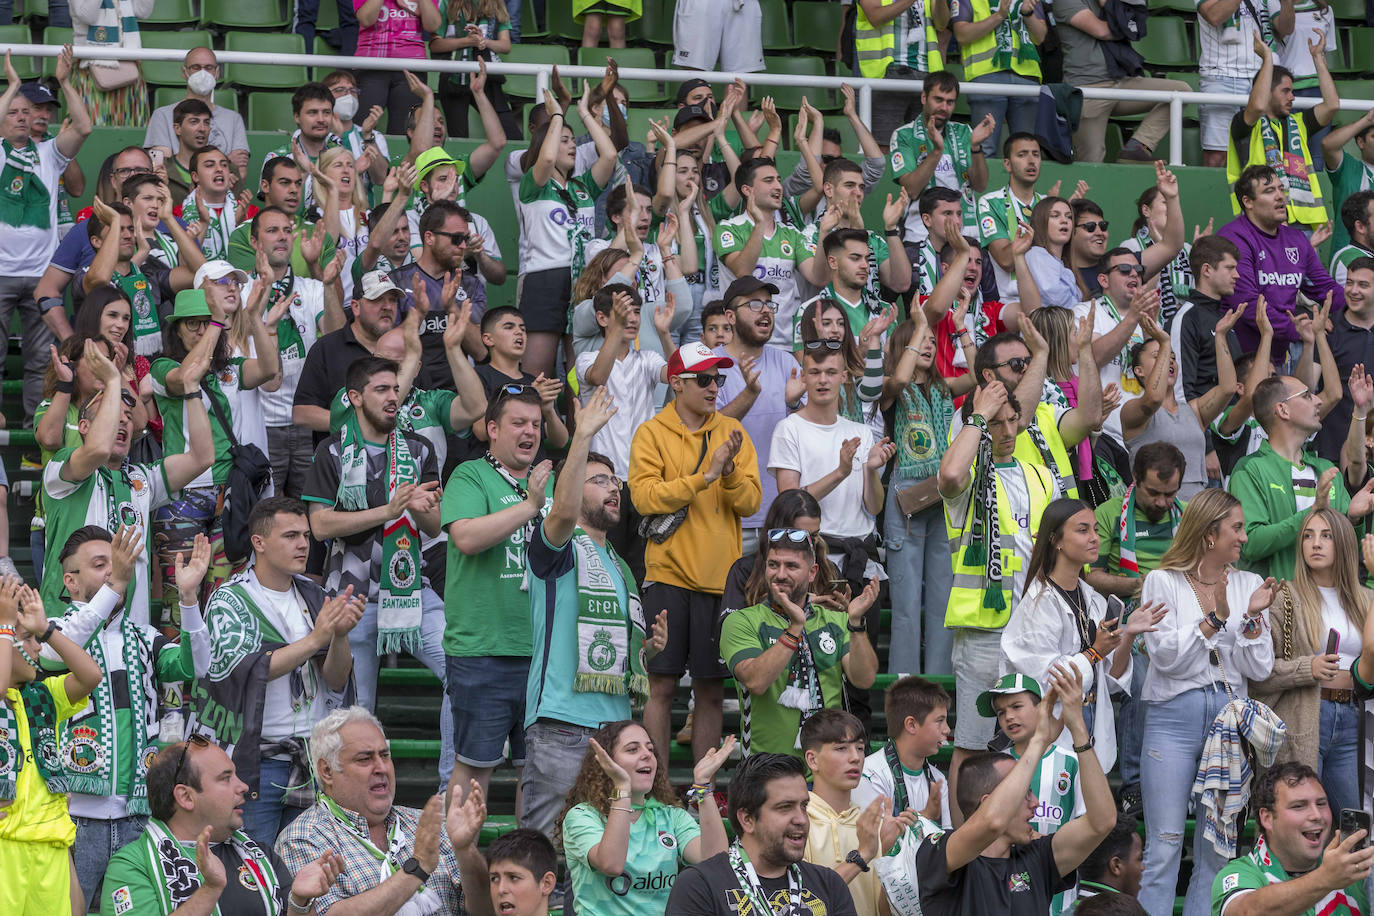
(1200, 580)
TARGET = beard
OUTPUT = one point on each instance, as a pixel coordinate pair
(378, 420)
(749, 335)
(602, 517)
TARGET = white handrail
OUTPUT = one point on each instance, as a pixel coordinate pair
(541, 72)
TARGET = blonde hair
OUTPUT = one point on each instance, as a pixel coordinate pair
(476, 10)
(1202, 517)
(359, 201)
(1353, 597)
(1055, 324)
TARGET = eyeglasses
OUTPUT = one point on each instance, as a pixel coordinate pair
(126, 171)
(1093, 226)
(227, 281)
(192, 739)
(704, 379)
(1016, 364)
(195, 324)
(827, 344)
(607, 481)
(795, 535)
(341, 91)
(758, 305)
(457, 238)
(1126, 269)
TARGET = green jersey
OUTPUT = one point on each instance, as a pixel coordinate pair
(1276, 493)
(1152, 539)
(998, 214)
(224, 387)
(1261, 868)
(910, 146)
(241, 249)
(652, 859)
(767, 725)
(424, 413)
(1343, 258)
(1353, 174)
(779, 257)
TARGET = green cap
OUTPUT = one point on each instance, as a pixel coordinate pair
(1007, 683)
(190, 303)
(432, 158)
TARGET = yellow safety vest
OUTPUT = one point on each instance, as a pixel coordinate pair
(875, 46)
(966, 607)
(980, 57)
(1304, 213)
(1060, 467)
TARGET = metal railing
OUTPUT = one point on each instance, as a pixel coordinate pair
(541, 72)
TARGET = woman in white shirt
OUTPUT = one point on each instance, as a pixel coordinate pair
(1211, 640)
(1052, 225)
(1312, 691)
(1060, 620)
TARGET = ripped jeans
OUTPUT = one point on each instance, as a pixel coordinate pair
(1169, 755)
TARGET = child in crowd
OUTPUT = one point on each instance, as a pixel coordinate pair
(917, 727)
(523, 869)
(717, 325)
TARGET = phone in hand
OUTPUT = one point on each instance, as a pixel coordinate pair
(1116, 609)
(1333, 641)
(155, 156)
(1352, 820)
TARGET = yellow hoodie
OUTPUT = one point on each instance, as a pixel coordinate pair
(698, 555)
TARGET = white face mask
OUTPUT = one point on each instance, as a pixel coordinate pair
(202, 82)
(346, 106)
(606, 113)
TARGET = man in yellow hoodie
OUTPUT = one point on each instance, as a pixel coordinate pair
(690, 458)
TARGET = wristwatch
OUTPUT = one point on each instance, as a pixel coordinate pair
(855, 859)
(412, 867)
(861, 628)
(1084, 748)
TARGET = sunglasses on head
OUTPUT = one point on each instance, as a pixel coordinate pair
(1093, 225)
(196, 740)
(1016, 363)
(826, 344)
(704, 379)
(795, 535)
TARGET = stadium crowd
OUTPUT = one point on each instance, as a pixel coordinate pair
(1112, 479)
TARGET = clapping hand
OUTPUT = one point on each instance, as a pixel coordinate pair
(315, 879)
(191, 573)
(658, 635)
(466, 816)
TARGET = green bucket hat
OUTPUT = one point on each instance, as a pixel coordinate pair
(190, 303)
(1007, 683)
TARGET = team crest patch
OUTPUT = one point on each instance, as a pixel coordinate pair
(128, 515)
(667, 840)
(1062, 782)
(1293, 255)
(827, 642)
(727, 239)
(402, 568)
(601, 653)
(123, 901)
(786, 249)
(1019, 883)
(16, 185)
(1230, 883)
(416, 411)
(247, 878)
(84, 752)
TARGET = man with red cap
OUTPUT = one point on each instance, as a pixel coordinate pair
(694, 476)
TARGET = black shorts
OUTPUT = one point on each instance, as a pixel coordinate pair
(544, 297)
(693, 632)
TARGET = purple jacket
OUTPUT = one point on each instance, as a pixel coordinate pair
(1277, 266)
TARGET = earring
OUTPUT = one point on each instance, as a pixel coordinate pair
(1211, 544)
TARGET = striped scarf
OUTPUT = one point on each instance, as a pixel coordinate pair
(610, 641)
(1128, 565)
(41, 713)
(982, 537)
(167, 859)
(25, 202)
(115, 26)
(1224, 772)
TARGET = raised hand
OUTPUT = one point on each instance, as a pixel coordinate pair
(315, 879)
(849, 108)
(1144, 619)
(1322, 234)
(989, 400)
(1324, 485)
(465, 819)
(1228, 321)
(400, 500)
(869, 825)
(418, 87)
(880, 454)
(597, 412)
(66, 63)
(711, 762)
(427, 833)
(1316, 46)
(551, 106)
(538, 482)
(614, 771)
(210, 867)
(1262, 49)
(101, 366)
(848, 449)
(1166, 181)
(125, 547)
(1361, 388)
(753, 376)
(935, 136)
(1263, 596)
(61, 366)
(549, 389)
(32, 616)
(1199, 233)
(1023, 240)
(191, 573)
(895, 209)
(984, 129)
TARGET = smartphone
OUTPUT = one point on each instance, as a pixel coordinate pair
(1115, 609)
(1333, 641)
(837, 585)
(156, 157)
(1353, 819)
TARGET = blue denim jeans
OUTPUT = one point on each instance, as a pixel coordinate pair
(97, 840)
(553, 755)
(266, 816)
(59, 17)
(918, 563)
(362, 640)
(1130, 723)
(1018, 112)
(1338, 763)
(1171, 750)
(691, 328)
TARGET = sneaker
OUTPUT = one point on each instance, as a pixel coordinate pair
(1132, 805)
(1135, 151)
(684, 737)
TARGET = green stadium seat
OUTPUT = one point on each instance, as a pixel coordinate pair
(227, 15)
(1358, 49)
(530, 26)
(1167, 44)
(1348, 10)
(322, 46)
(655, 24)
(328, 17)
(1172, 6)
(168, 72)
(170, 95)
(789, 97)
(54, 36)
(1192, 146)
(640, 91)
(777, 27)
(1355, 89)
(817, 25)
(167, 14)
(637, 122)
(34, 10)
(523, 86)
(27, 67)
(269, 111)
(254, 76)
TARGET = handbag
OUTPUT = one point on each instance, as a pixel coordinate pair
(248, 479)
(658, 528)
(919, 496)
(108, 79)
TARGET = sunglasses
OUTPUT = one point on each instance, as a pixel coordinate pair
(124, 395)
(1127, 269)
(1093, 226)
(795, 535)
(608, 481)
(457, 238)
(513, 388)
(826, 344)
(1016, 363)
(704, 379)
(193, 739)
(758, 305)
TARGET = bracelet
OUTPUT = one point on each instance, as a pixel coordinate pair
(1213, 621)
(188, 395)
(1084, 748)
(295, 907)
(699, 791)
(219, 324)
(1093, 655)
(7, 630)
(626, 809)
(910, 349)
(895, 233)
(47, 634)
(1357, 417)
(669, 257)
(789, 642)
(66, 387)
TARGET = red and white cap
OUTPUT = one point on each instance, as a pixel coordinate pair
(695, 357)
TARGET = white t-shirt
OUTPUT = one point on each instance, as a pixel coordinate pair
(26, 250)
(286, 611)
(631, 382)
(813, 450)
(649, 279)
(1335, 618)
(877, 781)
(307, 307)
(351, 242)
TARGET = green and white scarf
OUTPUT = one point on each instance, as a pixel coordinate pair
(91, 744)
(981, 539)
(803, 690)
(1335, 903)
(398, 600)
(42, 717)
(25, 202)
(610, 643)
(147, 327)
(752, 890)
(1287, 159)
(1010, 51)
(115, 26)
(958, 146)
(216, 241)
(1128, 566)
(1179, 272)
(166, 858)
(289, 341)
